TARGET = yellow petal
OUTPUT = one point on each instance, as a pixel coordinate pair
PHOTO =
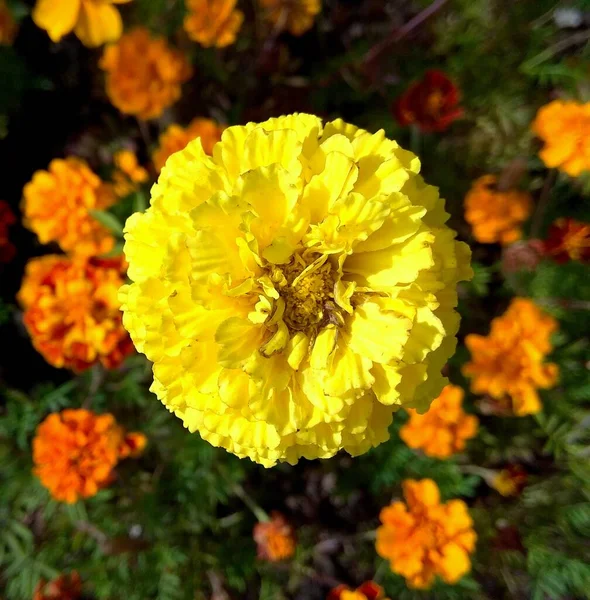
(98, 23)
(238, 340)
(57, 17)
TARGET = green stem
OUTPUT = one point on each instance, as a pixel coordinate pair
(258, 512)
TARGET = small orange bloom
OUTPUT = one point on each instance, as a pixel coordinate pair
(72, 313)
(296, 16)
(7, 218)
(567, 240)
(508, 363)
(143, 74)
(64, 587)
(367, 591)
(128, 173)
(8, 26)
(432, 103)
(496, 216)
(56, 205)
(275, 538)
(564, 127)
(444, 429)
(213, 22)
(133, 445)
(75, 452)
(424, 538)
(510, 481)
(176, 137)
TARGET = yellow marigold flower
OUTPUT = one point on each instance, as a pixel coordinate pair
(564, 127)
(496, 216)
(8, 26)
(444, 429)
(71, 311)
(508, 363)
(95, 22)
(175, 138)
(56, 205)
(213, 22)
(143, 74)
(75, 452)
(275, 539)
(423, 538)
(128, 173)
(294, 289)
(296, 16)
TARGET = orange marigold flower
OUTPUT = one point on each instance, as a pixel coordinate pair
(424, 538)
(444, 429)
(128, 173)
(296, 16)
(508, 363)
(176, 137)
(431, 104)
(496, 216)
(213, 22)
(8, 26)
(93, 21)
(7, 218)
(75, 452)
(133, 445)
(275, 538)
(72, 313)
(564, 127)
(143, 74)
(57, 205)
(567, 240)
(64, 587)
(509, 481)
(367, 591)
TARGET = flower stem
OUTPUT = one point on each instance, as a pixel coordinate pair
(258, 512)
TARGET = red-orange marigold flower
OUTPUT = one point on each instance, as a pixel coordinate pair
(64, 587)
(75, 452)
(56, 205)
(508, 363)
(275, 538)
(431, 104)
(567, 240)
(444, 428)
(423, 538)
(176, 137)
(71, 311)
(510, 481)
(213, 22)
(367, 591)
(7, 218)
(143, 74)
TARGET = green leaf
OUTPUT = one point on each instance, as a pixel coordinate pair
(109, 221)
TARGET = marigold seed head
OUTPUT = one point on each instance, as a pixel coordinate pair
(293, 289)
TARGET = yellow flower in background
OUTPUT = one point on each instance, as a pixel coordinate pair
(143, 74)
(494, 215)
(564, 127)
(297, 16)
(129, 174)
(8, 26)
(294, 289)
(176, 138)
(95, 22)
(423, 538)
(56, 205)
(213, 22)
(444, 429)
(508, 364)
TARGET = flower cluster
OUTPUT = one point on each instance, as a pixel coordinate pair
(129, 174)
(564, 127)
(508, 364)
(367, 591)
(94, 22)
(430, 104)
(143, 74)
(275, 539)
(76, 450)
(57, 206)
(176, 137)
(8, 26)
(72, 313)
(7, 218)
(496, 215)
(444, 429)
(293, 327)
(63, 587)
(567, 240)
(296, 16)
(423, 538)
(213, 22)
